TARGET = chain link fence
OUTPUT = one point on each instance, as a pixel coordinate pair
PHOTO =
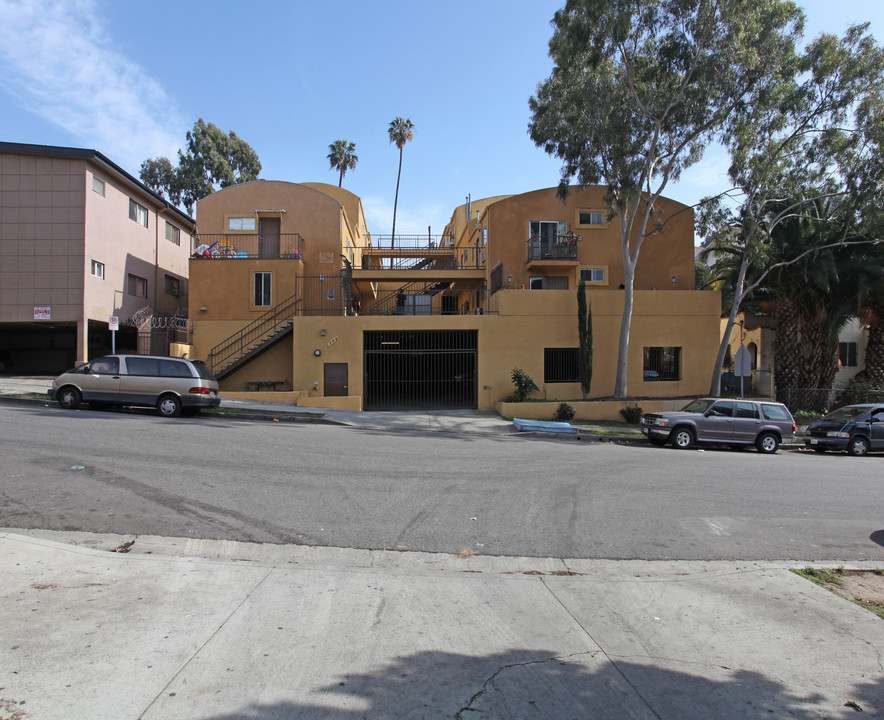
(824, 400)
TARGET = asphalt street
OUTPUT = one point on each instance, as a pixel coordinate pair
(213, 478)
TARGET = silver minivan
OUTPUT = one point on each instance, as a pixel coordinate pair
(174, 386)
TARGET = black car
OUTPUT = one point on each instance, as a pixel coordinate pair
(857, 429)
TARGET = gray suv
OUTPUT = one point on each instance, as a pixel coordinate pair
(737, 423)
(174, 386)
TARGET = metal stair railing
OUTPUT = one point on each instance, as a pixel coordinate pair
(386, 305)
(244, 340)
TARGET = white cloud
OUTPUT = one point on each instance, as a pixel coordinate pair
(57, 61)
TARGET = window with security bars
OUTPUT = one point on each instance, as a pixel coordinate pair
(662, 363)
(560, 365)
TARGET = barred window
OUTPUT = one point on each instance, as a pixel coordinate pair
(560, 365)
(662, 363)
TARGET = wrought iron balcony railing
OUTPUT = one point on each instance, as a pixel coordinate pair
(553, 247)
(249, 245)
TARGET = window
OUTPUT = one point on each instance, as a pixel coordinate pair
(723, 408)
(105, 366)
(173, 234)
(173, 285)
(560, 365)
(137, 286)
(775, 412)
(662, 363)
(590, 217)
(98, 269)
(138, 213)
(595, 275)
(262, 289)
(98, 185)
(847, 352)
(241, 224)
(747, 410)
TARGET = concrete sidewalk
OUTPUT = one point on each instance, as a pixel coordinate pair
(451, 421)
(200, 629)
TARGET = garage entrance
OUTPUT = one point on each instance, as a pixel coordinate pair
(420, 370)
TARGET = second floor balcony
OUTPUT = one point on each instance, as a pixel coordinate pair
(249, 245)
(555, 248)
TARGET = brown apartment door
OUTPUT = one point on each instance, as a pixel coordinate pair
(335, 380)
(268, 237)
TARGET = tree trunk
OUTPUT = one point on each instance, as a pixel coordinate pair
(715, 385)
(395, 205)
(873, 370)
(620, 388)
(787, 350)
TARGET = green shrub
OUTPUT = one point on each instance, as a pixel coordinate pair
(632, 414)
(564, 413)
(806, 417)
(524, 384)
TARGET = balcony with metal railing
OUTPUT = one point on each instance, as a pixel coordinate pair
(554, 249)
(419, 252)
(249, 245)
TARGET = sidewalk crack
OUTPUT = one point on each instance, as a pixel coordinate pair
(208, 640)
(491, 680)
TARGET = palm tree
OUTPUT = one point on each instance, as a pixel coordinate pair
(342, 157)
(400, 131)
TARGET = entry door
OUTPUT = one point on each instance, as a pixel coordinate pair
(268, 237)
(335, 380)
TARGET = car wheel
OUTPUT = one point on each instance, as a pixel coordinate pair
(69, 398)
(682, 438)
(767, 443)
(858, 446)
(169, 406)
(657, 441)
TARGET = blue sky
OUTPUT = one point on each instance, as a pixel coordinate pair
(129, 78)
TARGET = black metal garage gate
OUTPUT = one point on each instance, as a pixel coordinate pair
(420, 370)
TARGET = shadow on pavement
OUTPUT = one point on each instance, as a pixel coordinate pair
(528, 684)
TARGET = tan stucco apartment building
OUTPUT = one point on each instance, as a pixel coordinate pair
(81, 240)
(291, 293)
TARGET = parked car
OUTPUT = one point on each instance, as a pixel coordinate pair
(854, 428)
(174, 386)
(737, 423)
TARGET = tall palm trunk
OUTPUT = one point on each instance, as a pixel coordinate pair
(395, 205)
(787, 348)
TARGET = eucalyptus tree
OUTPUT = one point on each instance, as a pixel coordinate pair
(213, 159)
(637, 91)
(400, 132)
(811, 143)
(342, 157)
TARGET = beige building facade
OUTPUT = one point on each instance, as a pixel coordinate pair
(81, 241)
(292, 297)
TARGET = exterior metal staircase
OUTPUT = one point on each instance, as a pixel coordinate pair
(386, 304)
(256, 337)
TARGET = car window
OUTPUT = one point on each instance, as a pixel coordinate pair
(105, 366)
(775, 412)
(202, 369)
(697, 406)
(143, 366)
(747, 410)
(174, 368)
(722, 409)
(849, 412)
